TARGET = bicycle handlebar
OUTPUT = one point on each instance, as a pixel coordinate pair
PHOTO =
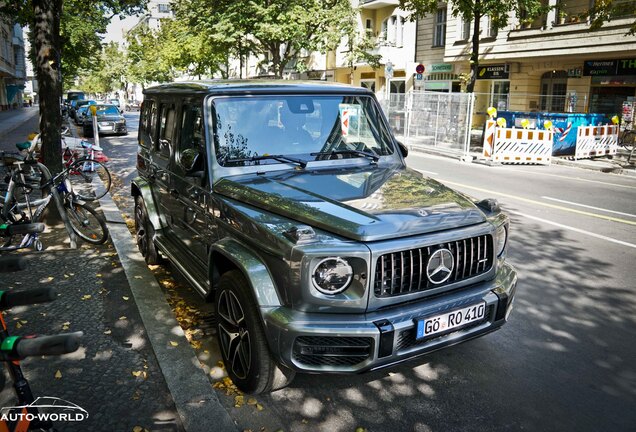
(9, 299)
(11, 264)
(22, 347)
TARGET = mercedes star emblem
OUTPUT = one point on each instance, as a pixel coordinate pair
(440, 266)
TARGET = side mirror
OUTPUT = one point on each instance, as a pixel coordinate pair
(403, 149)
(192, 162)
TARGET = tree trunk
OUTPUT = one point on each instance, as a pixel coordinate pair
(474, 55)
(46, 29)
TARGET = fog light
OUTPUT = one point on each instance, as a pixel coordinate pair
(332, 275)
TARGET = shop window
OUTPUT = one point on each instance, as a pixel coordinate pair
(553, 91)
(439, 37)
(368, 84)
(500, 94)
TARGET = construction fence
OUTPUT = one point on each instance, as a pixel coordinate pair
(432, 120)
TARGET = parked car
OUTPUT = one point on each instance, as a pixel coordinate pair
(290, 205)
(76, 104)
(134, 105)
(109, 122)
(81, 115)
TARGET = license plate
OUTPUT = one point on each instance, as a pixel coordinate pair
(450, 320)
(106, 128)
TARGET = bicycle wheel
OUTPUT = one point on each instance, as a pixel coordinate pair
(81, 174)
(629, 142)
(86, 223)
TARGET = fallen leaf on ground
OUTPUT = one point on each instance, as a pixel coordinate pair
(24, 321)
(238, 401)
(125, 298)
(18, 325)
(66, 276)
(86, 296)
(98, 275)
(252, 401)
(58, 374)
(136, 373)
(121, 318)
(173, 343)
(139, 429)
(259, 407)
(139, 277)
(50, 278)
(107, 332)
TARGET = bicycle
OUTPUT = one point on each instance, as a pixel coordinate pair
(84, 220)
(82, 167)
(627, 140)
(25, 415)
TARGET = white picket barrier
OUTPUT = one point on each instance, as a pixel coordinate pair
(519, 146)
(594, 141)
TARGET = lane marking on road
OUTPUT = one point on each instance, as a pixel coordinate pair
(428, 172)
(540, 203)
(573, 178)
(589, 206)
(580, 231)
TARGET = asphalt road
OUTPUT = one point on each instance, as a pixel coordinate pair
(565, 362)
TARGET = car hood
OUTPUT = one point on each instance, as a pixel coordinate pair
(368, 204)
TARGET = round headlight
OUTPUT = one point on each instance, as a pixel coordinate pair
(502, 238)
(332, 275)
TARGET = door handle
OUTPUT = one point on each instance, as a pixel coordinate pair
(174, 192)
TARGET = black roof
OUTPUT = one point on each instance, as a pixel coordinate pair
(254, 87)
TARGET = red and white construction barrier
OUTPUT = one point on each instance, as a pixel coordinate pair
(518, 146)
(596, 141)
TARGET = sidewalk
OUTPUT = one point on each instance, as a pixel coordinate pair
(18, 122)
(135, 370)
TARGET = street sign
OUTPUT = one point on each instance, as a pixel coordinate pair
(388, 70)
(420, 68)
(418, 76)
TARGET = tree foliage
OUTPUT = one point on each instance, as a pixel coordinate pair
(279, 29)
(606, 11)
(475, 10)
(64, 36)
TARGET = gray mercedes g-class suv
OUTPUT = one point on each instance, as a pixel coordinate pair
(290, 206)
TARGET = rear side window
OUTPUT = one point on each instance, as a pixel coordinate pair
(166, 129)
(145, 124)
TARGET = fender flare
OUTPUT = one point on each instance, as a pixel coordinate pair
(140, 187)
(252, 267)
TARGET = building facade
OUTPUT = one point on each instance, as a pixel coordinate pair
(553, 63)
(12, 65)
(393, 37)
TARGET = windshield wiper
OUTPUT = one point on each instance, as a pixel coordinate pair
(279, 158)
(374, 157)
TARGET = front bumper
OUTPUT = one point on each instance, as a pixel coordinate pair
(350, 343)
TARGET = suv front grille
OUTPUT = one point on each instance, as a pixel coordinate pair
(331, 350)
(404, 272)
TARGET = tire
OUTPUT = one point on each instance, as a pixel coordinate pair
(242, 339)
(81, 174)
(86, 223)
(145, 233)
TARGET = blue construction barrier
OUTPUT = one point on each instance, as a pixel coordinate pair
(565, 126)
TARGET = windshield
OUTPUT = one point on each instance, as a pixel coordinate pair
(305, 127)
(107, 110)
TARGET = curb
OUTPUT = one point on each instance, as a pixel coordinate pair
(605, 169)
(196, 402)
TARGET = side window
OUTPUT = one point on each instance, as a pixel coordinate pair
(166, 129)
(145, 131)
(191, 128)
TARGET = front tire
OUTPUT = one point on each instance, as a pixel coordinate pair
(242, 339)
